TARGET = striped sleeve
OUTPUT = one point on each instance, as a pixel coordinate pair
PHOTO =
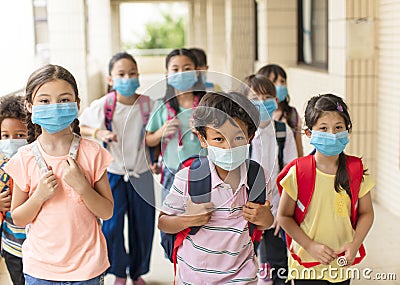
(175, 202)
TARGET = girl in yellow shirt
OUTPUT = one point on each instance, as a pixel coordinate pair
(326, 231)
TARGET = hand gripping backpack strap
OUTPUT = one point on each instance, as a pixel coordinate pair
(73, 152)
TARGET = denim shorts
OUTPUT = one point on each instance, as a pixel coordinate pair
(29, 280)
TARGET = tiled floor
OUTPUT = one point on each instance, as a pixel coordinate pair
(382, 245)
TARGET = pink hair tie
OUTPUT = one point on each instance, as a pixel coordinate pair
(339, 107)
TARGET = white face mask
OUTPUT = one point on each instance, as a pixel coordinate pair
(10, 147)
(230, 158)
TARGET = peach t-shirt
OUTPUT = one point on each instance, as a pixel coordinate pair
(64, 242)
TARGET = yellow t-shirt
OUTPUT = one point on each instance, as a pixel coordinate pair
(327, 221)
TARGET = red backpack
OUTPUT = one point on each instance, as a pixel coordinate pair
(306, 184)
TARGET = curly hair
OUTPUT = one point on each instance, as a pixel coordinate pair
(12, 107)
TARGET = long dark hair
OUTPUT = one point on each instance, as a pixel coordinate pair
(39, 77)
(198, 86)
(316, 106)
(288, 112)
(114, 59)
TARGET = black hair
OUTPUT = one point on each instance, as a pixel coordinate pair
(316, 107)
(200, 55)
(288, 112)
(198, 87)
(259, 84)
(39, 77)
(217, 107)
(114, 59)
(12, 107)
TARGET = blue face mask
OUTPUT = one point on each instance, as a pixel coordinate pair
(182, 81)
(230, 158)
(329, 144)
(10, 147)
(266, 108)
(281, 92)
(54, 117)
(126, 86)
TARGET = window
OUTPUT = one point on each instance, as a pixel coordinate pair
(313, 33)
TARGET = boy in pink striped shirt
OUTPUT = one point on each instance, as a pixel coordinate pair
(221, 252)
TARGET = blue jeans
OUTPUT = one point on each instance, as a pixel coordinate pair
(136, 199)
(29, 280)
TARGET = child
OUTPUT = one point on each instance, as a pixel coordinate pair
(272, 156)
(221, 251)
(170, 121)
(60, 186)
(130, 179)
(13, 136)
(285, 113)
(203, 67)
(325, 230)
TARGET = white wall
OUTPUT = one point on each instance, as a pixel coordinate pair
(17, 49)
(388, 144)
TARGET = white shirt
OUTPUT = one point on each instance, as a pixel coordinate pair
(129, 152)
(265, 152)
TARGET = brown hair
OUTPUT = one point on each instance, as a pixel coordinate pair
(39, 77)
(260, 84)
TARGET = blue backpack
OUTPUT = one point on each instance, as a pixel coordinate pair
(199, 188)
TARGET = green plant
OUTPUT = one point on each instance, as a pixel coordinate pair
(167, 33)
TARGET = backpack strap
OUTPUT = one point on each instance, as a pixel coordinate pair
(256, 194)
(109, 108)
(280, 134)
(73, 151)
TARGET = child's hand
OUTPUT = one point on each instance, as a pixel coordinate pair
(5, 201)
(258, 214)
(47, 186)
(321, 253)
(73, 175)
(155, 168)
(350, 252)
(277, 228)
(198, 214)
(170, 127)
(106, 136)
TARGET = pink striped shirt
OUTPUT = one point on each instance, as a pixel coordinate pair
(221, 252)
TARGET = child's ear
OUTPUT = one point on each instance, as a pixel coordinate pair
(78, 102)
(110, 81)
(28, 106)
(308, 133)
(202, 140)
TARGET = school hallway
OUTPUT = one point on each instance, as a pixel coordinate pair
(381, 244)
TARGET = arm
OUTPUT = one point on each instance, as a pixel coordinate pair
(98, 200)
(195, 215)
(167, 129)
(103, 135)
(24, 209)
(5, 200)
(320, 252)
(364, 223)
